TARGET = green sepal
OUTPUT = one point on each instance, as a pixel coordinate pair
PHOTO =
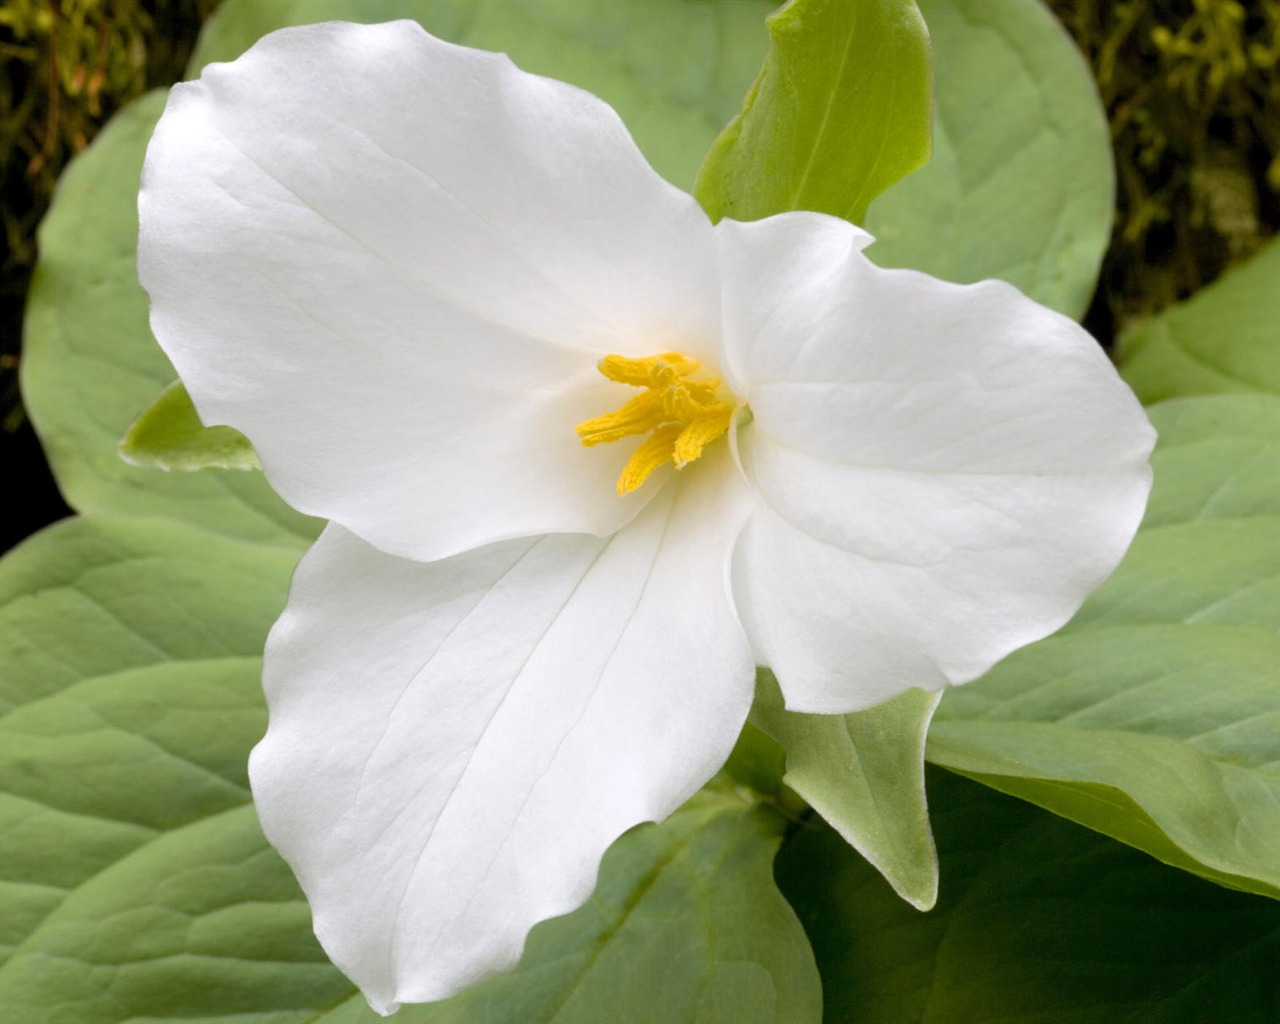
(864, 773)
(839, 112)
(168, 435)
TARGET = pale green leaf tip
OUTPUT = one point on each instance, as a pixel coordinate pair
(168, 435)
(851, 799)
(754, 170)
(914, 877)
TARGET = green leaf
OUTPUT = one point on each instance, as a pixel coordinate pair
(1020, 185)
(1155, 715)
(89, 361)
(206, 924)
(168, 435)
(675, 71)
(203, 922)
(1222, 339)
(1038, 921)
(136, 883)
(685, 925)
(129, 699)
(839, 113)
(864, 773)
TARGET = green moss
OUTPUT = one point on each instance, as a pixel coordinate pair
(1194, 102)
(65, 67)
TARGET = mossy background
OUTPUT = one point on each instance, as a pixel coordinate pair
(1193, 97)
(1191, 90)
(65, 67)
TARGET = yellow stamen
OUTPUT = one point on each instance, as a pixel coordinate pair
(681, 415)
(639, 416)
(647, 372)
(700, 433)
(652, 452)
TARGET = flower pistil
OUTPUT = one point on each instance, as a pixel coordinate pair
(682, 415)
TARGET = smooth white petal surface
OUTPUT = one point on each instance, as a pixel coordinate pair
(393, 263)
(453, 745)
(946, 472)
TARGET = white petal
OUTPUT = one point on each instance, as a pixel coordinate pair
(453, 745)
(393, 263)
(948, 471)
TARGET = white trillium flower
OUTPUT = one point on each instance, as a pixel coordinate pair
(588, 460)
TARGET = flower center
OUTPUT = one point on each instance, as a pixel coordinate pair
(681, 415)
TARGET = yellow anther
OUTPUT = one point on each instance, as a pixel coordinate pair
(652, 452)
(681, 415)
(653, 371)
(700, 433)
(642, 414)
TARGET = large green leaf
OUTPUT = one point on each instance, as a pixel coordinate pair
(1221, 339)
(864, 773)
(839, 113)
(130, 697)
(1155, 715)
(206, 924)
(203, 922)
(1038, 921)
(90, 364)
(134, 880)
(1020, 185)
